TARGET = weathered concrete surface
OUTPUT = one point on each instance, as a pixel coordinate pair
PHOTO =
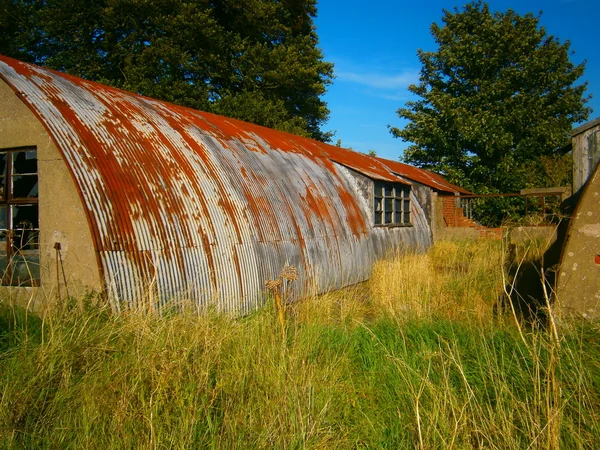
(61, 215)
(457, 234)
(578, 284)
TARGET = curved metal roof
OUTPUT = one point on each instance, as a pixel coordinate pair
(422, 176)
(201, 206)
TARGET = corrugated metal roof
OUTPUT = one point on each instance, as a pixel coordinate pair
(422, 176)
(204, 207)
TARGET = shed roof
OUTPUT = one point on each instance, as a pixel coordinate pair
(422, 176)
(586, 126)
(195, 202)
(59, 88)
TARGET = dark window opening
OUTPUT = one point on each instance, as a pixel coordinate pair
(19, 217)
(392, 204)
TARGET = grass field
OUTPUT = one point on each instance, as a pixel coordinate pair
(421, 356)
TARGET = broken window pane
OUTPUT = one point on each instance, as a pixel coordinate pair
(24, 162)
(2, 165)
(25, 240)
(25, 217)
(25, 269)
(3, 254)
(19, 223)
(378, 204)
(25, 186)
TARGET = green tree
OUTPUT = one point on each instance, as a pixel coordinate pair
(256, 60)
(497, 95)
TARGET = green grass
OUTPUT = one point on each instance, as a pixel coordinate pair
(419, 357)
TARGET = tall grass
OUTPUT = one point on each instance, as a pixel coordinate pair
(419, 357)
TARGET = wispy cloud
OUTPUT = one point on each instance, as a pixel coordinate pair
(396, 97)
(377, 80)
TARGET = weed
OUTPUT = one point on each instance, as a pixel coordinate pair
(418, 357)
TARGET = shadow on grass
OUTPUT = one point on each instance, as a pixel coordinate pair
(533, 282)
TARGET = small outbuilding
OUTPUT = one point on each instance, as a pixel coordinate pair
(578, 278)
(108, 191)
(585, 143)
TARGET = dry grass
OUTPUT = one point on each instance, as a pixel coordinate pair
(419, 357)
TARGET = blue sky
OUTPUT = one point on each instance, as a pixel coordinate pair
(374, 48)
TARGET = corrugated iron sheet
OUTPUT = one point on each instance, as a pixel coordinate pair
(195, 206)
(422, 176)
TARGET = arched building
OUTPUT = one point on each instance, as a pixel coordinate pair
(111, 191)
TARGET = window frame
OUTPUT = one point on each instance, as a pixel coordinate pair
(9, 201)
(391, 200)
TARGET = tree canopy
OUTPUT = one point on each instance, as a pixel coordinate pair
(494, 102)
(256, 60)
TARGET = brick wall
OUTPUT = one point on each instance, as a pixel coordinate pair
(454, 218)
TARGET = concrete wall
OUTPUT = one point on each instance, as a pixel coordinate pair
(578, 284)
(61, 215)
(384, 240)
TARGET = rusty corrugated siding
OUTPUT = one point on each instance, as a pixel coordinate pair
(197, 206)
(422, 176)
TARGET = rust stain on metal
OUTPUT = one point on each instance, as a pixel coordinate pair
(355, 219)
(422, 176)
(205, 206)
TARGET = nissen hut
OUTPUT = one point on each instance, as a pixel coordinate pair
(108, 191)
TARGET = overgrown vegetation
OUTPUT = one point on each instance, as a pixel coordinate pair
(420, 357)
(255, 60)
(495, 103)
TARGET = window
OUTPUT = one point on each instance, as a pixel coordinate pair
(392, 204)
(19, 225)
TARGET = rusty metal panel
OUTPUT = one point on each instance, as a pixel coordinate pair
(423, 176)
(193, 206)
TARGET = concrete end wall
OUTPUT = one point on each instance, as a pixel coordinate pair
(438, 225)
(457, 234)
(578, 284)
(386, 240)
(61, 214)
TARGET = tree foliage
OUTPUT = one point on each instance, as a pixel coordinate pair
(256, 60)
(495, 101)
